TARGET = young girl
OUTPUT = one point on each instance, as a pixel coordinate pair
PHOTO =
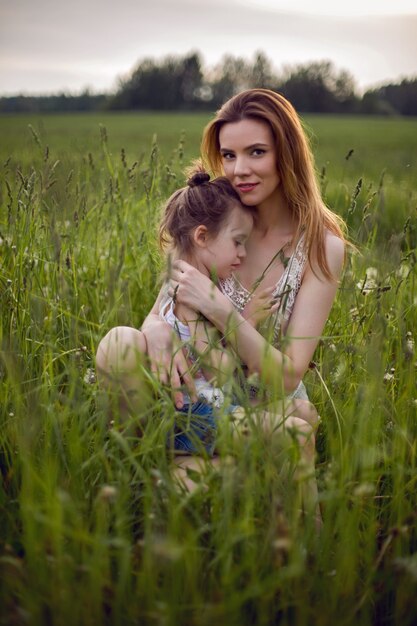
(206, 225)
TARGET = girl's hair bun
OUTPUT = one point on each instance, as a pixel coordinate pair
(198, 179)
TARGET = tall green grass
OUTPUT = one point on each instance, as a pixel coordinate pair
(94, 529)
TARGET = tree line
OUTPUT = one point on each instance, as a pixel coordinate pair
(177, 83)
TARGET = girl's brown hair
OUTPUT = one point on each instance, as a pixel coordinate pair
(201, 202)
(295, 164)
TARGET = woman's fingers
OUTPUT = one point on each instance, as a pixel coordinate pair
(180, 377)
(160, 370)
(175, 382)
(181, 265)
(188, 380)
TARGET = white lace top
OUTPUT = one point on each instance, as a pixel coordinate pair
(286, 290)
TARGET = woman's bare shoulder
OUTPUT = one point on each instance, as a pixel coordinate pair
(334, 250)
(335, 246)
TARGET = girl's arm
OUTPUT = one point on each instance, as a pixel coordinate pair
(311, 310)
(168, 362)
(217, 363)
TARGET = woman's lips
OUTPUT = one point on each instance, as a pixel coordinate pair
(246, 187)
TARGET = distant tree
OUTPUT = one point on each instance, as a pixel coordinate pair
(262, 74)
(234, 74)
(391, 99)
(230, 76)
(49, 104)
(170, 84)
(318, 88)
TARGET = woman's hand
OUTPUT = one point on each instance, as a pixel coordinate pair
(260, 306)
(168, 361)
(192, 288)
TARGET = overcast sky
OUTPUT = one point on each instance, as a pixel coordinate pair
(67, 45)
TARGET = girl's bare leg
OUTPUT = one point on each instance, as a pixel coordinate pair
(305, 410)
(271, 425)
(121, 364)
(182, 463)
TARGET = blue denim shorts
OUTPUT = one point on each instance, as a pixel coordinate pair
(195, 428)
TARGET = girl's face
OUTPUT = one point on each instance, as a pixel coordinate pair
(223, 254)
(249, 160)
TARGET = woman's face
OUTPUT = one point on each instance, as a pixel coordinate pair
(248, 155)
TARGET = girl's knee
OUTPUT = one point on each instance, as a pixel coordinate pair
(304, 434)
(120, 350)
(306, 411)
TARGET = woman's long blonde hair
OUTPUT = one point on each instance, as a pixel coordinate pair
(295, 164)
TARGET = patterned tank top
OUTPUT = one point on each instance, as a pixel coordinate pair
(285, 291)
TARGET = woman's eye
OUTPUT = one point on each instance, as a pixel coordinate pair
(227, 155)
(258, 152)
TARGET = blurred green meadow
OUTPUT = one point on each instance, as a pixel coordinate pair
(94, 529)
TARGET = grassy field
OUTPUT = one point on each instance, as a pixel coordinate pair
(93, 528)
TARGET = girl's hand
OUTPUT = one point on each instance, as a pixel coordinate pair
(168, 361)
(260, 306)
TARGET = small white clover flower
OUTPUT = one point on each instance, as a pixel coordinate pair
(388, 377)
(371, 273)
(367, 286)
(363, 490)
(107, 493)
(90, 376)
(354, 312)
(409, 344)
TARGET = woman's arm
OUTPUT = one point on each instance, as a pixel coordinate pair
(311, 310)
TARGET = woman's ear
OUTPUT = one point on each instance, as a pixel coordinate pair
(200, 236)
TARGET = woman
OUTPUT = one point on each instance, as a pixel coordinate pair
(295, 254)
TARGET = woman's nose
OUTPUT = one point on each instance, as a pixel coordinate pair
(241, 166)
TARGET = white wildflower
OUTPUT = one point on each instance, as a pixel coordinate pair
(340, 371)
(354, 312)
(90, 376)
(409, 343)
(108, 493)
(371, 273)
(364, 489)
(367, 286)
